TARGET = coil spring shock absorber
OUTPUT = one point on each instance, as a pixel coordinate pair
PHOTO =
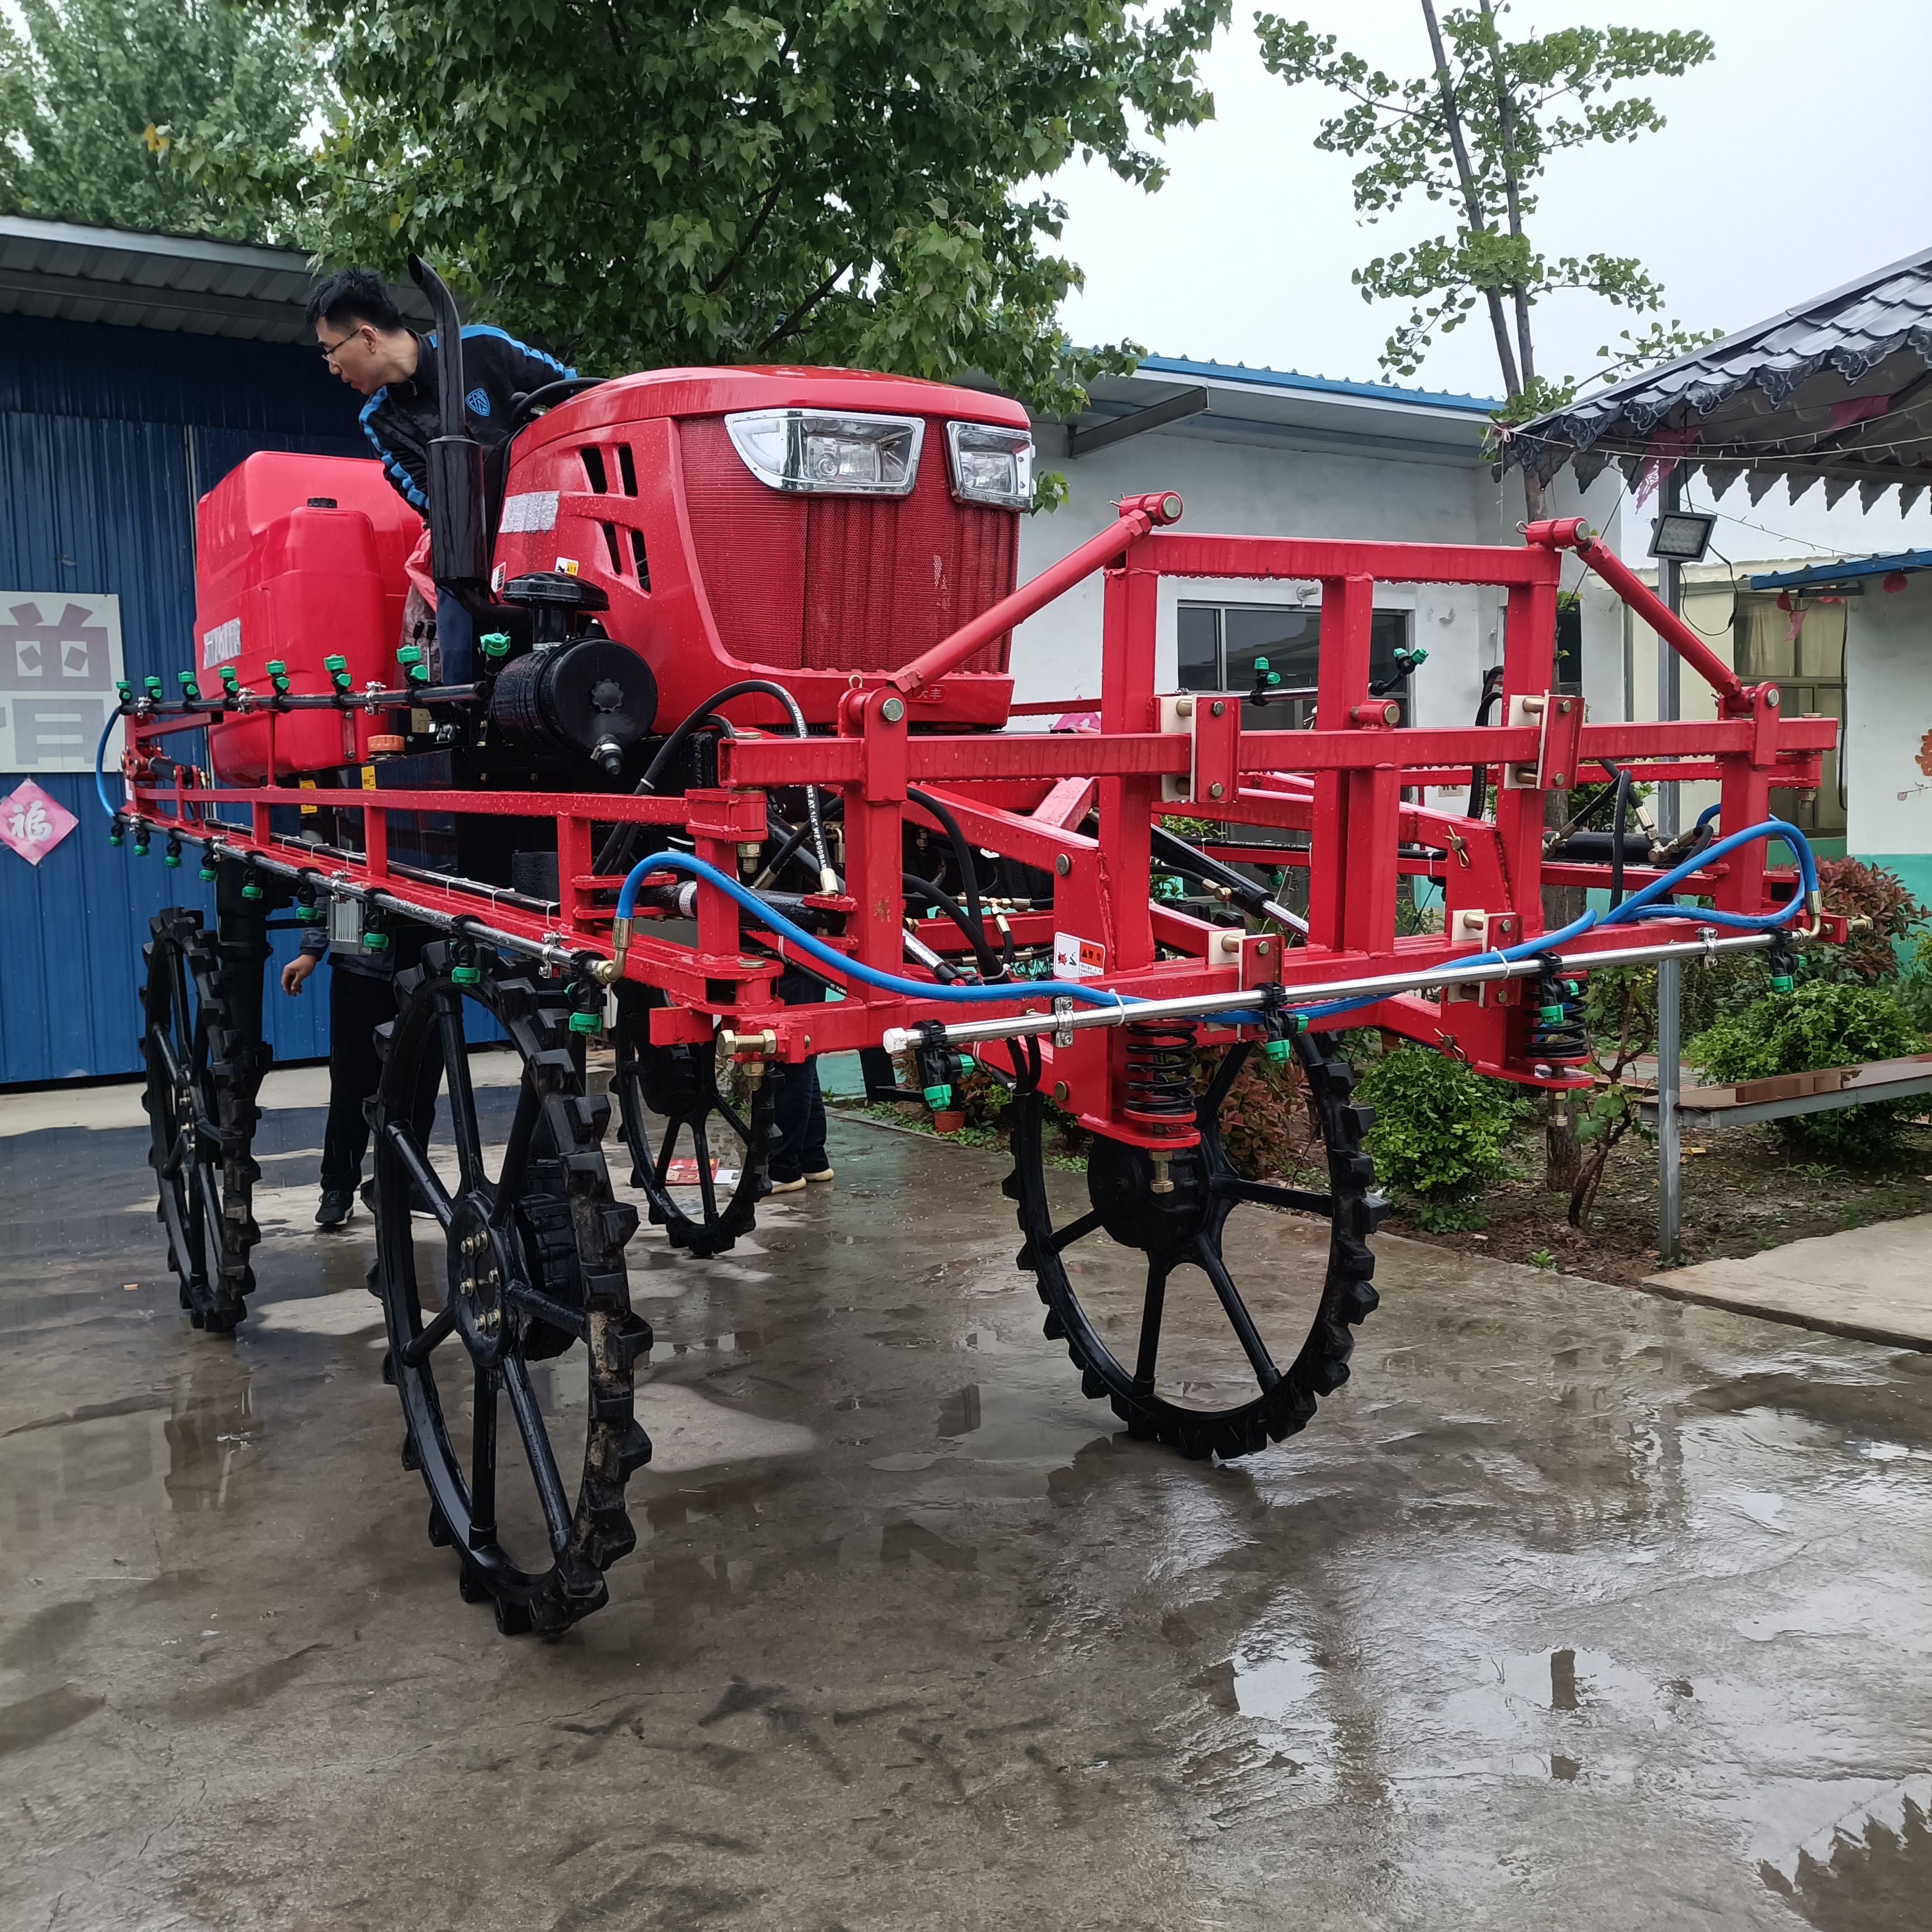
(1559, 1036)
(1159, 1091)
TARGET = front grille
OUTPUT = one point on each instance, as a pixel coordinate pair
(842, 582)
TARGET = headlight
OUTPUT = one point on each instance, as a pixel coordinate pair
(990, 466)
(820, 450)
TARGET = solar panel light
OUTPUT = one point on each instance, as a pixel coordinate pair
(1682, 535)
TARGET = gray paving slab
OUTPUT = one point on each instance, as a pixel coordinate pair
(1872, 1283)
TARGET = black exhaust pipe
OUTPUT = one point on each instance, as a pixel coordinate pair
(459, 528)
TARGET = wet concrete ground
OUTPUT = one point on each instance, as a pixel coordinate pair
(1574, 1608)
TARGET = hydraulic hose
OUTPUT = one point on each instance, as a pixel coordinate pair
(848, 969)
(1617, 818)
(962, 856)
(1479, 778)
(617, 847)
(914, 887)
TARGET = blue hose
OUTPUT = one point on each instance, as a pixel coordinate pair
(1639, 905)
(1644, 905)
(815, 948)
(107, 804)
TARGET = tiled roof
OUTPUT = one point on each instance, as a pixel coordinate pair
(1838, 390)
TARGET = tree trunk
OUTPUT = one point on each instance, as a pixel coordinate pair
(1472, 202)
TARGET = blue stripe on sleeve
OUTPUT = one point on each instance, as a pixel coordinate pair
(522, 348)
(401, 477)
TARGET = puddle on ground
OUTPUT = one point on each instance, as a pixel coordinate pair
(1869, 1871)
(688, 1432)
(352, 1312)
(193, 1439)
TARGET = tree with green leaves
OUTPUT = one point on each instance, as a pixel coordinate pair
(856, 181)
(85, 85)
(1477, 132)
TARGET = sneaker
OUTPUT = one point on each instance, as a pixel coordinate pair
(338, 1205)
(789, 1187)
(823, 1174)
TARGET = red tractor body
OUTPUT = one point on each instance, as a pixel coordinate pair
(713, 573)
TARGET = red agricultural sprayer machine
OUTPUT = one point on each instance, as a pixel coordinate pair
(742, 716)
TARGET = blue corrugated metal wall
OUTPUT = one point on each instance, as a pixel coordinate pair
(105, 434)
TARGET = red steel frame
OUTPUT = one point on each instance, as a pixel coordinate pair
(1347, 784)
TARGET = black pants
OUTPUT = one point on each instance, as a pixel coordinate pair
(798, 1112)
(358, 1003)
(798, 1107)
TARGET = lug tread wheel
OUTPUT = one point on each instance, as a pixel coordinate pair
(560, 1237)
(204, 1075)
(1285, 1399)
(680, 1084)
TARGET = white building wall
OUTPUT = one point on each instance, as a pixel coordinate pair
(1888, 730)
(1270, 489)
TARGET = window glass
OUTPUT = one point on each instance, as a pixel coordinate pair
(1288, 639)
(1388, 632)
(1199, 636)
(1570, 646)
(1220, 644)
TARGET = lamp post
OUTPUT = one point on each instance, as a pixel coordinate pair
(1670, 545)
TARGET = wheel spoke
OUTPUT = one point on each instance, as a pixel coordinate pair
(1075, 1230)
(208, 1193)
(558, 1314)
(1209, 1109)
(536, 1447)
(456, 1087)
(707, 1188)
(1266, 1373)
(417, 1350)
(732, 1119)
(428, 1182)
(661, 1166)
(171, 1065)
(516, 1151)
(1152, 1308)
(483, 1463)
(1265, 1194)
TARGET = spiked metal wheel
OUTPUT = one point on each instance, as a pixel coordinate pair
(679, 1085)
(204, 1071)
(1230, 1390)
(523, 1260)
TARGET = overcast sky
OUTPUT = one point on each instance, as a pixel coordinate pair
(1799, 157)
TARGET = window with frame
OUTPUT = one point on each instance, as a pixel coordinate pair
(1220, 643)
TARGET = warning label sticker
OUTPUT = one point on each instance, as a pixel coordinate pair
(1077, 958)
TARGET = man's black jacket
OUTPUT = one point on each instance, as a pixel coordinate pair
(401, 418)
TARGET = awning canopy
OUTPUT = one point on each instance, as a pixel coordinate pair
(1837, 390)
(1814, 573)
(66, 271)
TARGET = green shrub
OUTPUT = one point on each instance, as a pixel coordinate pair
(1442, 1133)
(1825, 1023)
(1872, 893)
(1265, 1130)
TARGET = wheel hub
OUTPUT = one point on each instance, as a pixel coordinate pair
(1122, 1183)
(479, 1266)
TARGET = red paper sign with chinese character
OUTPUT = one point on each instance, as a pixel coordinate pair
(33, 823)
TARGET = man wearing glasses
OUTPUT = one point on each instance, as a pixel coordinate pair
(364, 340)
